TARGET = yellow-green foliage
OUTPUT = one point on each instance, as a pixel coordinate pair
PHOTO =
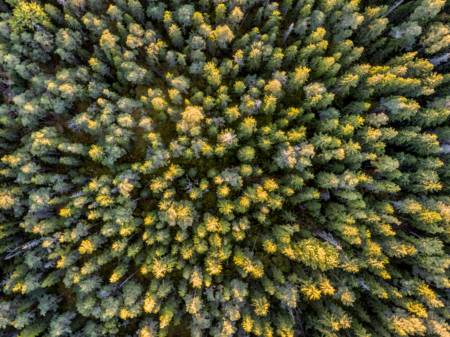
(28, 15)
(224, 168)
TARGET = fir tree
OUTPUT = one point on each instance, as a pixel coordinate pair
(224, 168)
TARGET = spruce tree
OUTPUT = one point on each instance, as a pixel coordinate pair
(224, 168)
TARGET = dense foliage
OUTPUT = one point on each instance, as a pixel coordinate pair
(221, 168)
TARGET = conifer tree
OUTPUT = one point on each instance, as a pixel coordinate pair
(224, 168)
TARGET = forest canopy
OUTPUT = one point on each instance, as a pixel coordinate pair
(224, 168)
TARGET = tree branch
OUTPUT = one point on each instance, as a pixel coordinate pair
(437, 60)
(393, 7)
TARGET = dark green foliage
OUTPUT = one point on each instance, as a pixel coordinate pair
(224, 168)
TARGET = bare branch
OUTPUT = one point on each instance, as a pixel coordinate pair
(288, 32)
(393, 7)
(437, 60)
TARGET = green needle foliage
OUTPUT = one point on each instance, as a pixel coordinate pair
(224, 168)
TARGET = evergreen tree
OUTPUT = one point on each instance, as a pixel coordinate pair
(224, 168)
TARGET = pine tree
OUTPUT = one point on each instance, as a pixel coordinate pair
(266, 168)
